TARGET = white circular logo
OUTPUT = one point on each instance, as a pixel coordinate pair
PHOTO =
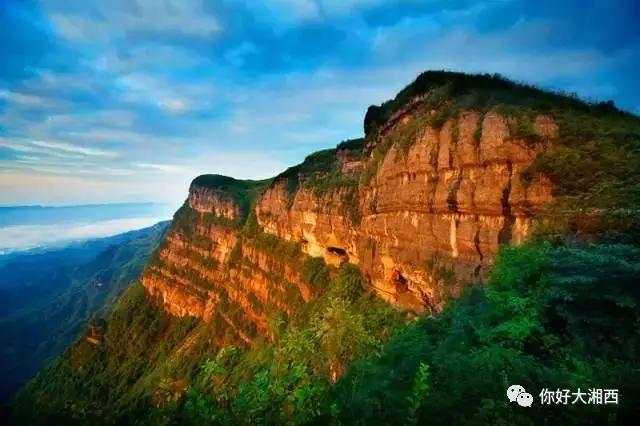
(524, 399)
(514, 391)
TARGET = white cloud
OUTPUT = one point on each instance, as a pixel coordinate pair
(169, 168)
(24, 237)
(25, 146)
(110, 20)
(28, 100)
(75, 149)
(174, 105)
(170, 95)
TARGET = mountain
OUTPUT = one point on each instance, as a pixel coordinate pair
(47, 297)
(482, 234)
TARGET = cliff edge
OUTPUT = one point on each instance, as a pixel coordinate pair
(448, 171)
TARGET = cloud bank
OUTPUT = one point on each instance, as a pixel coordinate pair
(125, 100)
(24, 237)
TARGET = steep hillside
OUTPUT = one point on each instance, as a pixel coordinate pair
(48, 297)
(270, 302)
(421, 205)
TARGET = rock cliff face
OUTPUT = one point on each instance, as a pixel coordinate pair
(203, 270)
(191, 280)
(213, 200)
(421, 207)
(432, 216)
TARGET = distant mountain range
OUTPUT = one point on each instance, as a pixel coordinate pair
(48, 296)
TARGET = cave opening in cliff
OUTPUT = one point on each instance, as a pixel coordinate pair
(337, 251)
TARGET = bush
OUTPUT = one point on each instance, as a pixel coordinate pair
(551, 316)
(348, 285)
(315, 273)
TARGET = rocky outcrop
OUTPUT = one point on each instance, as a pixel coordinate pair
(208, 274)
(213, 200)
(421, 209)
(433, 215)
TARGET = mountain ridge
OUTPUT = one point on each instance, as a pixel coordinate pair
(480, 144)
(270, 299)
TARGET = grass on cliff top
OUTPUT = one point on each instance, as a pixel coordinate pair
(244, 192)
(594, 165)
(482, 91)
(320, 163)
(321, 173)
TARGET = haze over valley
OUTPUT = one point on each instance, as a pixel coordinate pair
(36, 227)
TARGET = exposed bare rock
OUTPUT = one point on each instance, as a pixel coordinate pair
(445, 205)
(429, 221)
(211, 200)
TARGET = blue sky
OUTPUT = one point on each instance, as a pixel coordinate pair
(128, 100)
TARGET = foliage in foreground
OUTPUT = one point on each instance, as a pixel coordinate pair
(552, 317)
(154, 369)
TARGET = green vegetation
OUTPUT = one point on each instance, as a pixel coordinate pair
(322, 166)
(552, 316)
(596, 166)
(372, 166)
(243, 192)
(155, 369)
(313, 271)
(321, 173)
(88, 380)
(481, 92)
(318, 162)
(49, 297)
(323, 177)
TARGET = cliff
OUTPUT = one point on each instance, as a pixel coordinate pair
(433, 212)
(258, 310)
(421, 205)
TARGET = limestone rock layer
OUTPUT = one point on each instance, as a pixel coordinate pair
(421, 216)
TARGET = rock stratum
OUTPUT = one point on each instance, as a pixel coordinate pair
(421, 205)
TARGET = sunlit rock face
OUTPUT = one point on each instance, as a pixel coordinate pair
(212, 200)
(427, 222)
(432, 217)
(195, 275)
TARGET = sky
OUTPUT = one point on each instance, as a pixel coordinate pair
(128, 100)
